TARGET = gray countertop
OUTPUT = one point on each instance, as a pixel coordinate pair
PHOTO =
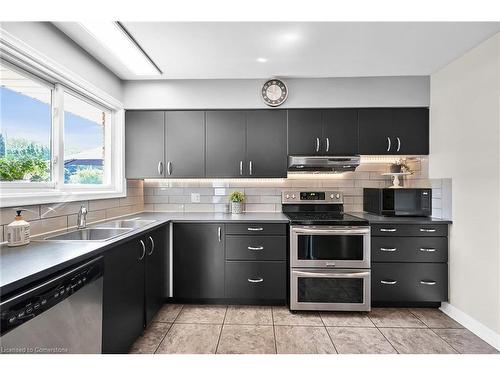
(377, 219)
(20, 266)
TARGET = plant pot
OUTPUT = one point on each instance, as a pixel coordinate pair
(395, 168)
(236, 207)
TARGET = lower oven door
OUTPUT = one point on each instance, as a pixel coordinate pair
(330, 290)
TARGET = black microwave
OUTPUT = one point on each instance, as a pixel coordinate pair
(398, 202)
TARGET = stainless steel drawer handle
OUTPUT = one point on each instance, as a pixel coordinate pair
(427, 230)
(388, 144)
(317, 144)
(241, 167)
(388, 229)
(256, 248)
(390, 249)
(219, 234)
(169, 168)
(250, 167)
(143, 250)
(160, 168)
(428, 250)
(330, 264)
(152, 245)
(255, 229)
(255, 280)
(327, 144)
(399, 144)
(427, 282)
(388, 282)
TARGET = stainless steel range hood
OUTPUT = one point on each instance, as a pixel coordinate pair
(336, 164)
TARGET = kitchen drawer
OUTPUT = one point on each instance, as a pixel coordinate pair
(261, 229)
(256, 280)
(412, 230)
(409, 282)
(409, 249)
(255, 247)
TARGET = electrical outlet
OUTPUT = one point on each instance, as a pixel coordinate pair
(195, 197)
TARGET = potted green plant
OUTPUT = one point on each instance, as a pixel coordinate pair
(236, 198)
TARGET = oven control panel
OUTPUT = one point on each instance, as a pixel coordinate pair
(314, 197)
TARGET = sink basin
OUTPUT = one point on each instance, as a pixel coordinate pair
(131, 223)
(89, 234)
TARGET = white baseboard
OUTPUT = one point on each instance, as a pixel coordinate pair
(479, 329)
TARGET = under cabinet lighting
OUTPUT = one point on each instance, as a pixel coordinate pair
(116, 40)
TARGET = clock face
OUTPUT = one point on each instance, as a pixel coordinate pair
(274, 92)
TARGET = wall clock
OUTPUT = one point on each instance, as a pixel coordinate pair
(274, 92)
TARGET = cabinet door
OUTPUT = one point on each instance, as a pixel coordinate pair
(225, 142)
(123, 297)
(304, 132)
(198, 260)
(411, 131)
(185, 144)
(156, 271)
(376, 131)
(340, 132)
(144, 144)
(266, 143)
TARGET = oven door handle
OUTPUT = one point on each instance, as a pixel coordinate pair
(331, 274)
(331, 231)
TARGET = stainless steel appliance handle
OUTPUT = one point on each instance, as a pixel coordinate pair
(331, 231)
(327, 144)
(399, 144)
(152, 245)
(317, 144)
(169, 168)
(241, 167)
(390, 249)
(250, 167)
(429, 250)
(143, 250)
(427, 282)
(255, 229)
(255, 280)
(387, 229)
(219, 233)
(255, 248)
(388, 282)
(427, 230)
(331, 274)
(160, 168)
(388, 144)
(330, 264)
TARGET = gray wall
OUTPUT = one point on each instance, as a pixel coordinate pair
(303, 92)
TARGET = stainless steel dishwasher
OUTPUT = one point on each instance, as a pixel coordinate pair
(60, 315)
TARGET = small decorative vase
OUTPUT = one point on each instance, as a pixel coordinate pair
(236, 207)
(395, 168)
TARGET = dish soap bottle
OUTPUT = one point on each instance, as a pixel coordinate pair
(18, 232)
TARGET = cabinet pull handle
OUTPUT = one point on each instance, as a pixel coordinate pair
(160, 168)
(219, 233)
(390, 249)
(143, 250)
(255, 229)
(241, 167)
(388, 282)
(423, 282)
(255, 280)
(250, 167)
(387, 229)
(255, 248)
(169, 168)
(152, 245)
(427, 230)
(317, 144)
(429, 250)
(327, 144)
(388, 144)
(399, 144)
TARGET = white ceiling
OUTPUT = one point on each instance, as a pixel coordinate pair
(185, 50)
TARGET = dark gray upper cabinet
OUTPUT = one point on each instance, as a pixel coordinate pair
(304, 132)
(144, 151)
(225, 144)
(340, 132)
(266, 143)
(394, 131)
(185, 144)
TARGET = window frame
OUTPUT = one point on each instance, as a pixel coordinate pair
(61, 81)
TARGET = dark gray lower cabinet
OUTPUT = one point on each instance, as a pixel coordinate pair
(134, 275)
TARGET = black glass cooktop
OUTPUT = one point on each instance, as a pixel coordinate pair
(324, 218)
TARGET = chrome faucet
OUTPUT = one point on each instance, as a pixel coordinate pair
(81, 220)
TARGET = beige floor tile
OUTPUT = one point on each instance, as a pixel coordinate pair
(282, 316)
(211, 314)
(359, 340)
(303, 340)
(249, 315)
(434, 318)
(168, 313)
(150, 339)
(349, 319)
(394, 317)
(465, 342)
(190, 339)
(246, 339)
(416, 341)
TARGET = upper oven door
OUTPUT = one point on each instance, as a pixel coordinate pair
(329, 246)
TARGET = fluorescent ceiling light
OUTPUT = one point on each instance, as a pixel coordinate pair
(120, 44)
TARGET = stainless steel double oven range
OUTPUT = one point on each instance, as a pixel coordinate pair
(329, 253)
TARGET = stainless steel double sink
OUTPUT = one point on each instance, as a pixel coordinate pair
(102, 231)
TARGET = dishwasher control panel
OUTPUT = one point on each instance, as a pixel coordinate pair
(26, 305)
